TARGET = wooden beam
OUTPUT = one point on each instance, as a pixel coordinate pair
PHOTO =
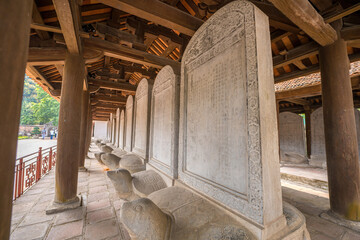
(310, 70)
(132, 69)
(299, 101)
(48, 28)
(158, 12)
(296, 54)
(303, 14)
(122, 36)
(278, 35)
(130, 54)
(114, 99)
(342, 13)
(68, 15)
(32, 71)
(119, 86)
(56, 55)
(36, 18)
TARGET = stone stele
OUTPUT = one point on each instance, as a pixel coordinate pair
(164, 130)
(292, 138)
(318, 151)
(129, 123)
(142, 119)
(228, 183)
(122, 129)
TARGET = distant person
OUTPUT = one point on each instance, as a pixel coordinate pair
(52, 133)
(43, 133)
(56, 132)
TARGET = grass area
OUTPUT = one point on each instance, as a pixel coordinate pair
(23, 137)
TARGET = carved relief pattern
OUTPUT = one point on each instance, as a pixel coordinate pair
(217, 34)
(30, 175)
(142, 89)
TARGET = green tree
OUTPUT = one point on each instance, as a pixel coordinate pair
(38, 107)
(36, 131)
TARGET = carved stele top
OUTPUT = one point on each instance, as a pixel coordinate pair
(228, 147)
(142, 119)
(164, 126)
(118, 113)
(129, 102)
(122, 114)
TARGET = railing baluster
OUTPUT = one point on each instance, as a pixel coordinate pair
(34, 167)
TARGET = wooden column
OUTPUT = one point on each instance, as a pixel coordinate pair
(89, 130)
(14, 42)
(67, 161)
(342, 155)
(308, 130)
(83, 130)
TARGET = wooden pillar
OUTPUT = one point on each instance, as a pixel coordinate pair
(83, 130)
(342, 155)
(89, 130)
(14, 42)
(308, 130)
(67, 161)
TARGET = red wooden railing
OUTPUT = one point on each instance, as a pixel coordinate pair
(31, 168)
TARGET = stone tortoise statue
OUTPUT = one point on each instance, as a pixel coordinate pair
(104, 149)
(139, 184)
(177, 213)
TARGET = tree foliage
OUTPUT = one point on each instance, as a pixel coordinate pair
(38, 107)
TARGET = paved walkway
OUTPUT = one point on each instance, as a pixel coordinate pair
(99, 216)
(27, 146)
(97, 219)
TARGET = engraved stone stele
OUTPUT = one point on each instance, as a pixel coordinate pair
(129, 109)
(135, 161)
(142, 119)
(164, 122)
(292, 138)
(110, 160)
(228, 139)
(318, 151)
(117, 127)
(106, 149)
(122, 129)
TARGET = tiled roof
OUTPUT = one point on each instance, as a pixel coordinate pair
(312, 79)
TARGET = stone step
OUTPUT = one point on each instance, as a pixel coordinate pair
(317, 183)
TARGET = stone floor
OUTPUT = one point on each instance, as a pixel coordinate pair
(309, 172)
(99, 216)
(97, 219)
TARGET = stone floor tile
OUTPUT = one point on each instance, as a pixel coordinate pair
(22, 207)
(36, 231)
(349, 235)
(102, 230)
(35, 191)
(27, 199)
(325, 227)
(70, 215)
(97, 189)
(37, 217)
(99, 215)
(66, 231)
(96, 205)
(40, 206)
(99, 183)
(97, 196)
(47, 197)
(118, 204)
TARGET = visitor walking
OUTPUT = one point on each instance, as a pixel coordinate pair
(43, 133)
(52, 133)
(56, 132)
